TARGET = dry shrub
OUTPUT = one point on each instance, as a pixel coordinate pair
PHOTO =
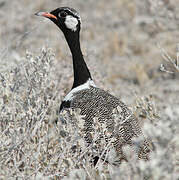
(34, 146)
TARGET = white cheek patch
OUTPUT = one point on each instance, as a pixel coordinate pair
(71, 22)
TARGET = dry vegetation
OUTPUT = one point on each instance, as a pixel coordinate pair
(138, 36)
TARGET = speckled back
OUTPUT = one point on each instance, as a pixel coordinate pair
(107, 120)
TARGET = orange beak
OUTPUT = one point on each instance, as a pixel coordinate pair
(46, 14)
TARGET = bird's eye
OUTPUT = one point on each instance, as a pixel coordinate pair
(62, 14)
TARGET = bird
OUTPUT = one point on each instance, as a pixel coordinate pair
(96, 105)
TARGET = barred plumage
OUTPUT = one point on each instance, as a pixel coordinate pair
(115, 121)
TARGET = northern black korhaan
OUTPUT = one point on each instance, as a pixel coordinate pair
(96, 105)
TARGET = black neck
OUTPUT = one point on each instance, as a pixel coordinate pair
(81, 71)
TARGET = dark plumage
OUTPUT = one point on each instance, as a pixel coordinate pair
(96, 105)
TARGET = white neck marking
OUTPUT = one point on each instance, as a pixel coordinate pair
(86, 85)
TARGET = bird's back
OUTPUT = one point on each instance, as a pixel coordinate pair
(107, 120)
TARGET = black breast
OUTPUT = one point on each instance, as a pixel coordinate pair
(65, 104)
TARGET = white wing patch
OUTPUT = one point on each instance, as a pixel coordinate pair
(86, 85)
(71, 22)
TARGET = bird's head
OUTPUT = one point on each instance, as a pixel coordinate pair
(67, 19)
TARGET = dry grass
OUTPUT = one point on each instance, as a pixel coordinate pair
(33, 146)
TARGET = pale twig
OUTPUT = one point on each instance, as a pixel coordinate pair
(167, 58)
(104, 153)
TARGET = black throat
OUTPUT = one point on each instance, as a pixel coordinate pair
(81, 71)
